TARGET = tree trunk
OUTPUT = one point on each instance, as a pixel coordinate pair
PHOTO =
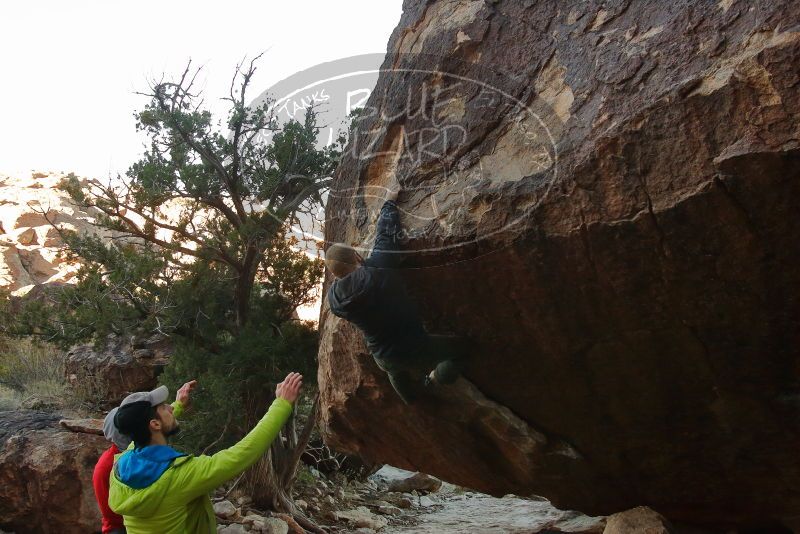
(247, 276)
(269, 482)
(241, 296)
(245, 282)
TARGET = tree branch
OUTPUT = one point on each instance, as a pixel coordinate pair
(206, 154)
(222, 254)
(289, 206)
(302, 443)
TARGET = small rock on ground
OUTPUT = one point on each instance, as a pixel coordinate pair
(640, 519)
(401, 501)
(224, 509)
(418, 482)
(273, 525)
(362, 517)
(426, 502)
(388, 510)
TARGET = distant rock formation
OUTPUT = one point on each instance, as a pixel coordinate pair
(613, 226)
(29, 245)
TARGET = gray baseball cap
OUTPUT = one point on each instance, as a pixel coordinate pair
(110, 430)
(155, 397)
(112, 433)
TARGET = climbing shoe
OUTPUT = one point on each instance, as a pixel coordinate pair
(430, 380)
(447, 372)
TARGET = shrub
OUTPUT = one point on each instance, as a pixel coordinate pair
(32, 374)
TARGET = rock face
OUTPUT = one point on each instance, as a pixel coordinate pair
(46, 475)
(612, 225)
(29, 245)
(120, 367)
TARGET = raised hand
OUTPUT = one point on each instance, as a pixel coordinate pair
(184, 393)
(289, 389)
(393, 193)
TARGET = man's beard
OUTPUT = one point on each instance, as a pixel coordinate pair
(174, 431)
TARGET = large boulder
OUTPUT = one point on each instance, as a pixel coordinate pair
(46, 475)
(613, 229)
(121, 365)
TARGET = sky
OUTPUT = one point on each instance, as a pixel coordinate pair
(70, 70)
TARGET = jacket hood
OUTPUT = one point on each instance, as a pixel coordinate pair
(139, 468)
(135, 489)
(346, 293)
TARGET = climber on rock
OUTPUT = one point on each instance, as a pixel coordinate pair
(370, 294)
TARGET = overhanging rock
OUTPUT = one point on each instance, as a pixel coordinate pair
(615, 230)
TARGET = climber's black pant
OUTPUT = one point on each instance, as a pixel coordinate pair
(445, 354)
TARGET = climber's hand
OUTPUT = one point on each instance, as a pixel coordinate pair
(184, 395)
(394, 192)
(289, 389)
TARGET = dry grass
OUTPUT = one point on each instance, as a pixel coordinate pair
(32, 377)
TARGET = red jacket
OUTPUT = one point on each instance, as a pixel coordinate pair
(102, 471)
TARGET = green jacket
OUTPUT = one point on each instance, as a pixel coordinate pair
(177, 409)
(178, 501)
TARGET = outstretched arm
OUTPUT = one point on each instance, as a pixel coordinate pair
(385, 252)
(204, 473)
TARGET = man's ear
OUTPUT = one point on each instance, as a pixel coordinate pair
(155, 425)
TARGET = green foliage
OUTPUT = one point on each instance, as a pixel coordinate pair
(244, 371)
(25, 361)
(31, 375)
(305, 477)
(120, 289)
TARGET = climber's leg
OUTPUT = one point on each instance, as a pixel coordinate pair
(446, 372)
(447, 356)
(404, 385)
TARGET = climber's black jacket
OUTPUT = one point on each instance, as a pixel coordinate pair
(374, 299)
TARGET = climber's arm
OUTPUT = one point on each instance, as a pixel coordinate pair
(385, 253)
(203, 473)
